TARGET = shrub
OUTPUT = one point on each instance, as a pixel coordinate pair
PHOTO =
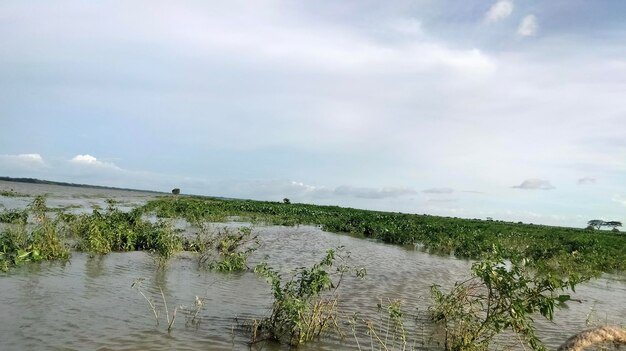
(498, 297)
(305, 305)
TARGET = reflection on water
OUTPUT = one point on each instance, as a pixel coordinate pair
(88, 303)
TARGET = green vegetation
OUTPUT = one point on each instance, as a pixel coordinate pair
(20, 244)
(304, 305)
(224, 250)
(499, 298)
(527, 275)
(14, 216)
(113, 230)
(560, 249)
(12, 193)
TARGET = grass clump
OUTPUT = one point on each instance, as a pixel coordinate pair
(113, 230)
(20, 244)
(14, 216)
(226, 250)
(12, 193)
(305, 306)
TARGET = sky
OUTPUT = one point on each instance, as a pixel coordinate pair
(514, 110)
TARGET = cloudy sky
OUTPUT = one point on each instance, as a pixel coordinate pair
(514, 110)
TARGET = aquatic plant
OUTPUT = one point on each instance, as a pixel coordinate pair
(564, 248)
(113, 230)
(388, 333)
(224, 249)
(170, 321)
(14, 216)
(12, 193)
(500, 296)
(305, 305)
(43, 242)
(192, 314)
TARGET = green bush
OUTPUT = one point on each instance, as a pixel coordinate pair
(306, 304)
(43, 242)
(500, 296)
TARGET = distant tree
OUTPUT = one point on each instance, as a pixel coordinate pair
(176, 191)
(286, 201)
(613, 224)
(596, 223)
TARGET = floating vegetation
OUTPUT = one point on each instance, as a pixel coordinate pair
(12, 193)
(560, 249)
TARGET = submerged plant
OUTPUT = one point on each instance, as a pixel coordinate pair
(305, 305)
(43, 242)
(225, 250)
(170, 321)
(500, 296)
(114, 230)
(14, 216)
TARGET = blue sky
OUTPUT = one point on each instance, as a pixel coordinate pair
(506, 109)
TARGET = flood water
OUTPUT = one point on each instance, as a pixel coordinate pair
(88, 303)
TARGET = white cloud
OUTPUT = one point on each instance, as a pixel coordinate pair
(28, 158)
(535, 184)
(10, 164)
(528, 26)
(586, 180)
(499, 11)
(91, 161)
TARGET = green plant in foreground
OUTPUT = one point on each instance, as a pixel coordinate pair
(500, 296)
(43, 242)
(305, 306)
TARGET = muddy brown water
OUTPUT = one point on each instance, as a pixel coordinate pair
(88, 303)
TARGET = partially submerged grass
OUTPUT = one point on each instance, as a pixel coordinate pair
(224, 249)
(42, 241)
(305, 305)
(12, 193)
(14, 216)
(113, 230)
